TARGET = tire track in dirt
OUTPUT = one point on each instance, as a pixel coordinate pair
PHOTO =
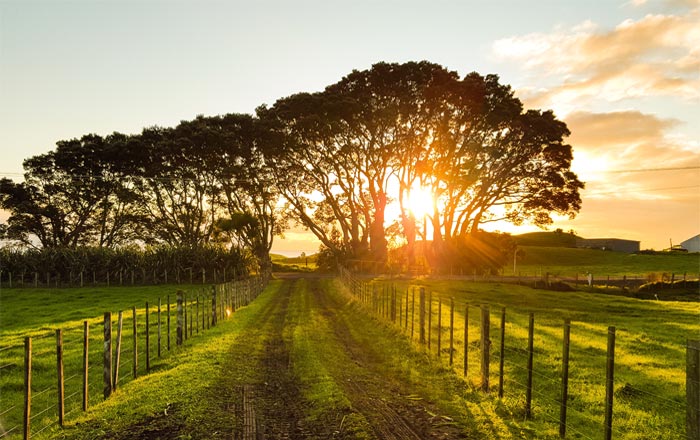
(373, 393)
(274, 395)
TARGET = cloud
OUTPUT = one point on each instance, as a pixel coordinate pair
(601, 130)
(617, 154)
(657, 55)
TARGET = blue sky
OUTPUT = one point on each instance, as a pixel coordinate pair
(625, 76)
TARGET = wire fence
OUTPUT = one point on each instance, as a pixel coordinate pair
(58, 374)
(584, 380)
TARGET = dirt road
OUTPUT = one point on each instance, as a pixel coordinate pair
(310, 328)
(304, 361)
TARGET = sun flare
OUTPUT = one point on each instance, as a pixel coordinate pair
(420, 201)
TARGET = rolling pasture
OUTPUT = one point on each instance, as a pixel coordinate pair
(315, 359)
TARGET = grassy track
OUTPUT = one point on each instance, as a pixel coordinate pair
(308, 361)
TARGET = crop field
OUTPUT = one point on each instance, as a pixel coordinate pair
(310, 359)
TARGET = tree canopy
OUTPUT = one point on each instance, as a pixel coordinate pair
(335, 161)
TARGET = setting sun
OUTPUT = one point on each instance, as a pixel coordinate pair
(420, 201)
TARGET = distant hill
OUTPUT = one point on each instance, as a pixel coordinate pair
(548, 239)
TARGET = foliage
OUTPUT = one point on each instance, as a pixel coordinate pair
(149, 265)
(469, 140)
(337, 158)
(549, 239)
(73, 196)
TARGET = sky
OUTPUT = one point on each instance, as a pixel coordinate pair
(624, 76)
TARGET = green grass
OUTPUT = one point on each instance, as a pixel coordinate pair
(30, 311)
(295, 264)
(649, 384)
(561, 261)
(39, 312)
(650, 354)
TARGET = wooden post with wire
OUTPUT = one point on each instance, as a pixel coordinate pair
(485, 347)
(86, 342)
(501, 351)
(107, 355)
(135, 359)
(27, 386)
(564, 377)
(59, 369)
(609, 383)
(692, 389)
(530, 353)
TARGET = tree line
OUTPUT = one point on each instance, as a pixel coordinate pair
(333, 161)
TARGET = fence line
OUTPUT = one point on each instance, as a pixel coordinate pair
(121, 277)
(375, 302)
(71, 353)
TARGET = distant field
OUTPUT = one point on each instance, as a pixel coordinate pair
(294, 264)
(562, 261)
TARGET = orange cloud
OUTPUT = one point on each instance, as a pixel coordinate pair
(658, 55)
(617, 154)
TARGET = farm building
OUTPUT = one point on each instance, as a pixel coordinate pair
(609, 244)
(692, 244)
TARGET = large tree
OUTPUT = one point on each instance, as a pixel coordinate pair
(381, 133)
(350, 146)
(74, 195)
(490, 160)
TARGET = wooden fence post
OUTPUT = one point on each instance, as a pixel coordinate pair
(609, 383)
(148, 341)
(135, 360)
(27, 385)
(692, 389)
(180, 317)
(485, 347)
(118, 351)
(59, 370)
(430, 318)
(168, 321)
(421, 316)
(86, 365)
(466, 339)
(439, 327)
(191, 317)
(452, 328)
(197, 316)
(413, 310)
(564, 378)
(159, 326)
(213, 306)
(185, 317)
(406, 311)
(530, 352)
(502, 350)
(107, 355)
